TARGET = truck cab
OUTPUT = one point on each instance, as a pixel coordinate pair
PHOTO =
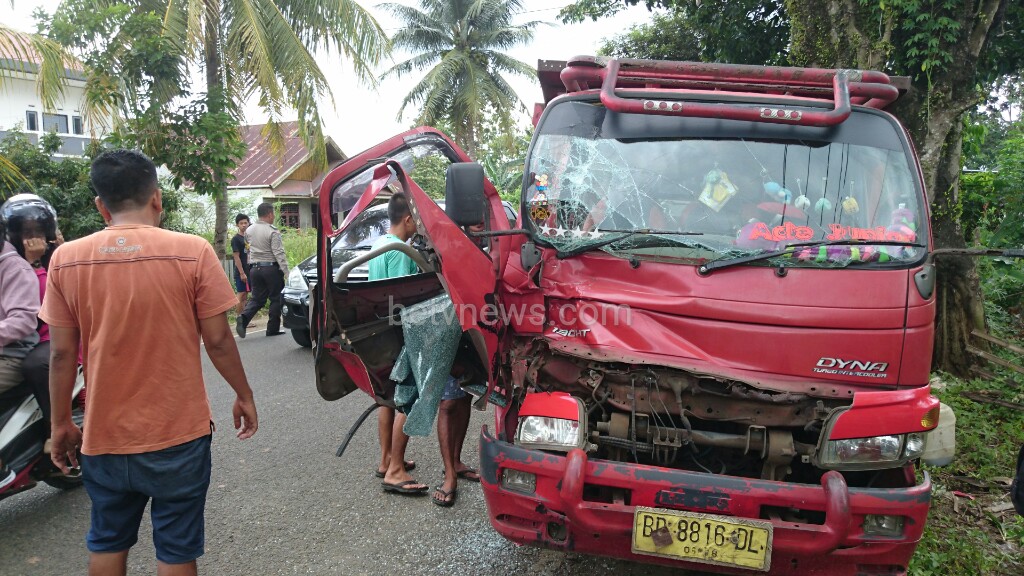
(708, 341)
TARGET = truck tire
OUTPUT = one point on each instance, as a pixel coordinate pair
(302, 338)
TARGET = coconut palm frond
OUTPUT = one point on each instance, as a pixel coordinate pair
(342, 26)
(10, 176)
(508, 64)
(418, 62)
(24, 54)
(459, 44)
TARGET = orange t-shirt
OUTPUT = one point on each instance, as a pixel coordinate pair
(137, 293)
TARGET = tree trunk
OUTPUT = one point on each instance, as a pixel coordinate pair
(215, 104)
(469, 138)
(837, 33)
(959, 301)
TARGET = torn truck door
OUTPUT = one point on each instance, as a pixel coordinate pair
(356, 323)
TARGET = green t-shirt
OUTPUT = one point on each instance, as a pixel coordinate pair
(390, 264)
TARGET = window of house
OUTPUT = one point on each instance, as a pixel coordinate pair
(76, 125)
(290, 215)
(31, 121)
(55, 123)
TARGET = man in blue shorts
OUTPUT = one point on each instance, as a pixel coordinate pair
(240, 254)
(148, 424)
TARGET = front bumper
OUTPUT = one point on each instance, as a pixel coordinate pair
(559, 515)
(295, 313)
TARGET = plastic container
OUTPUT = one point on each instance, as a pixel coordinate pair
(940, 443)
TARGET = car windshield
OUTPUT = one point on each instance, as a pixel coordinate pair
(364, 230)
(708, 189)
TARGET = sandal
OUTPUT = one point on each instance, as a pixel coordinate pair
(402, 487)
(447, 499)
(467, 474)
(409, 467)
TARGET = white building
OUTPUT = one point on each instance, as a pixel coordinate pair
(22, 108)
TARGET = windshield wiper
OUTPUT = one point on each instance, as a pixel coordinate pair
(709, 267)
(561, 255)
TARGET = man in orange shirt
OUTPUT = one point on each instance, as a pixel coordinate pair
(138, 299)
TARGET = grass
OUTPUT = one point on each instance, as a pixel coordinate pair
(962, 536)
(299, 244)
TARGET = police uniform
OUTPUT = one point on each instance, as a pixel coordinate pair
(268, 268)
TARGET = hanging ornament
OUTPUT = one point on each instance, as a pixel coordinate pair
(718, 189)
(850, 205)
(539, 207)
(902, 216)
(777, 192)
(541, 182)
(823, 205)
(802, 201)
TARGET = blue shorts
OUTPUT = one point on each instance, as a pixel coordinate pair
(120, 485)
(241, 286)
(452, 390)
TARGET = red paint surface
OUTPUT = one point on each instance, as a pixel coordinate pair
(605, 529)
(551, 405)
(895, 412)
(353, 365)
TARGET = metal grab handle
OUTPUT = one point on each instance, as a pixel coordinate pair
(342, 275)
(778, 115)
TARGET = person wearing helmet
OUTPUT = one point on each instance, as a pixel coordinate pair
(19, 309)
(31, 224)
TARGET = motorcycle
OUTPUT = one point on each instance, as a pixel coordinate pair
(23, 440)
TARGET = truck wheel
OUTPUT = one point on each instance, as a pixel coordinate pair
(302, 338)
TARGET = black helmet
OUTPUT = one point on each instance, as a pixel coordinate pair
(23, 211)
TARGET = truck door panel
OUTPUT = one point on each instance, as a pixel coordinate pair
(357, 339)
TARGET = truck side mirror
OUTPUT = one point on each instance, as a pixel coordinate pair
(464, 193)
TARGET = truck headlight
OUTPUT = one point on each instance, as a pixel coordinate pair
(873, 452)
(551, 421)
(548, 433)
(296, 281)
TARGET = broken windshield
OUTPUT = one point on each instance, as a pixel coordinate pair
(713, 189)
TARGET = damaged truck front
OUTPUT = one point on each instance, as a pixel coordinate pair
(709, 341)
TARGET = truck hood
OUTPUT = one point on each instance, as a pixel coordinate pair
(847, 326)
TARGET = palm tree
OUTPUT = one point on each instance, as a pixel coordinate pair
(245, 48)
(22, 53)
(459, 44)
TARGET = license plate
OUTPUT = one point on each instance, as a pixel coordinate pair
(704, 538)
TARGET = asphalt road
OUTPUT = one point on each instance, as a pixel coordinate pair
(281, 503)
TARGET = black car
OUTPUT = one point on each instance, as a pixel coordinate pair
(357, 239)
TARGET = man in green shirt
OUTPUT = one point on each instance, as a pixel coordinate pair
(393, 440)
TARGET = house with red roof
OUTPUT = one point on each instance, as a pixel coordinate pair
(287, 178)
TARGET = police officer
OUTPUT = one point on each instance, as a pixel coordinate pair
(268, 267)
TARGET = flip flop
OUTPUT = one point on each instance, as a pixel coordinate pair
(400, 488)
(469, 474)
(448, 497)
(409, 467)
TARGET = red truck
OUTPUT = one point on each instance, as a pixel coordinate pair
(707, 341)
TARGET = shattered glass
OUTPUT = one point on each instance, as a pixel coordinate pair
(660, 187)
(346, 194)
